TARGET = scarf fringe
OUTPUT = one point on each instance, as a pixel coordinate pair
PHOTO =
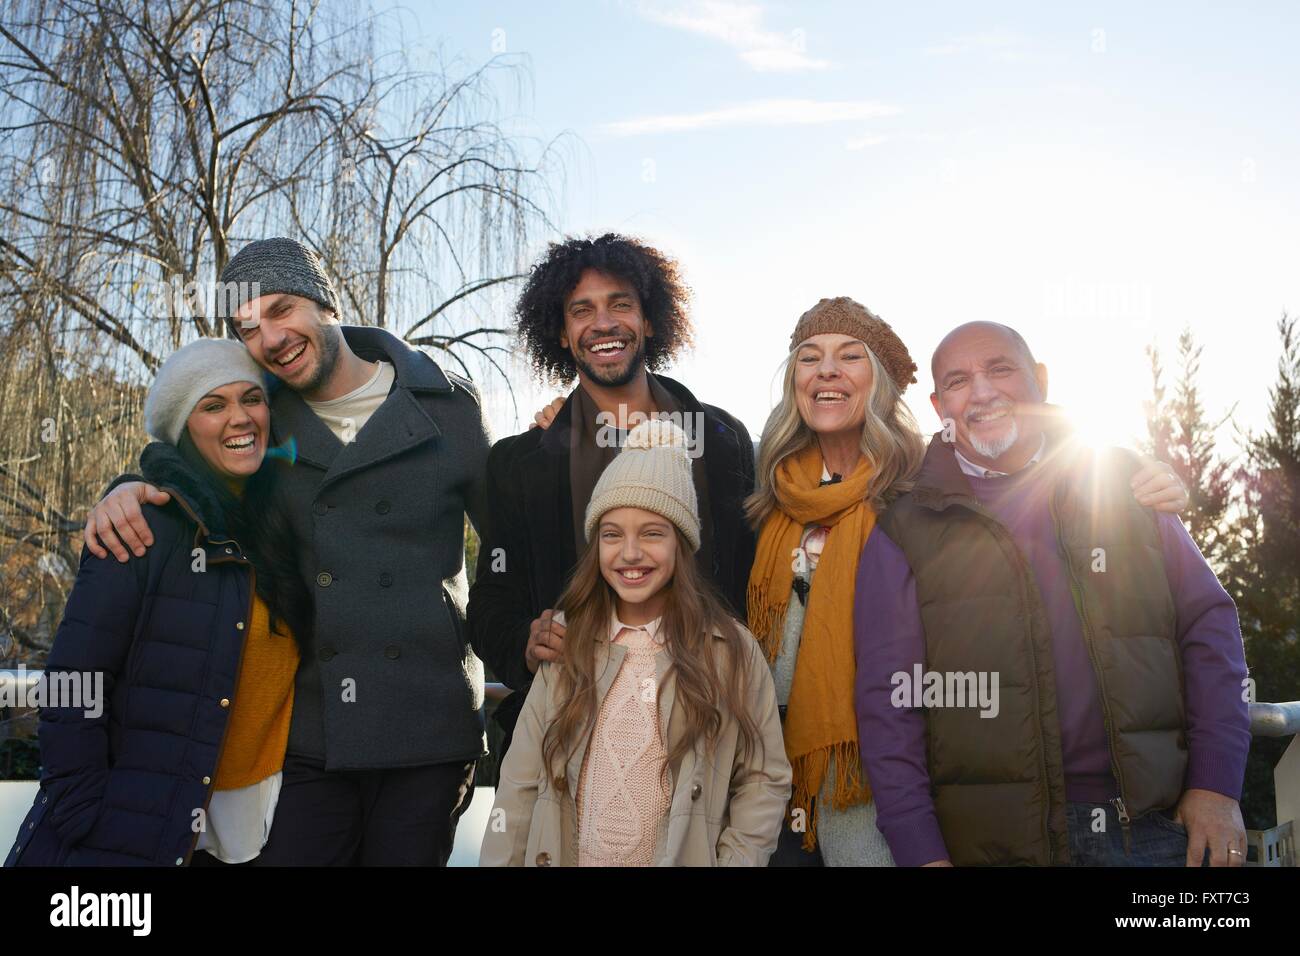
(765, 618)
(849, 787)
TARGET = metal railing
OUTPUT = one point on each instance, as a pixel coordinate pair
(1273, 847)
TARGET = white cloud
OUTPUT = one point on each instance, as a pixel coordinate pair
(780, 112)
(739, 26)
(1002, 44)
(862, 142)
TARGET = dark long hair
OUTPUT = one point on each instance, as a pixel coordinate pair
(258, 522)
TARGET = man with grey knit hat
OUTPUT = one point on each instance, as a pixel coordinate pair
(383, 455)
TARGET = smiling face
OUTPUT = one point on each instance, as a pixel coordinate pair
(292, 338)
(229, 426)
(604, 330)
(638, 554)
(832, 383)
(989, 386)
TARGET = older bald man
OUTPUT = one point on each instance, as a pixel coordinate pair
(1021, 564)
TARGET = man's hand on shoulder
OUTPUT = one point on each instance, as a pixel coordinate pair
(545, 641)
(117, 522)
(547, 415)
(1156, 485)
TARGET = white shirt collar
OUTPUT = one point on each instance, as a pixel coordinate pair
(979, 471)
(652, 628)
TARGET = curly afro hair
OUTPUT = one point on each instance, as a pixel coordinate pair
(655, 276)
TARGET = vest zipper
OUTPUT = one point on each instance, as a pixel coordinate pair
(1000, 531)
(1077, 592)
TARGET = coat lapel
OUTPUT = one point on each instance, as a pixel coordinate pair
(396, 426)
(292, 418)
(548, 504)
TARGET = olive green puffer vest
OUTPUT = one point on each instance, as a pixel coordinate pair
(998, 783)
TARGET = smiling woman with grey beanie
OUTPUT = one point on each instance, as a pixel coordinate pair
(193, 646)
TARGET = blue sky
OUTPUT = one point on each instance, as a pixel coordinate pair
(1098, 175)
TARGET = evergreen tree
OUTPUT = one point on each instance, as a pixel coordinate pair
(1180, 433)
(1268, 565)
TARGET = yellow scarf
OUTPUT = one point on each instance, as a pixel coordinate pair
(820, 719)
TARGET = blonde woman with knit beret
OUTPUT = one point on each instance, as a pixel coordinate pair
(837, 449)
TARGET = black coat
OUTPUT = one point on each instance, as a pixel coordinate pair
(391, 681)
(530, 524)
(123, 787)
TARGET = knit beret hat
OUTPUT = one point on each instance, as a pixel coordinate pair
(653, 471)
(847, 317)
(188, 374)
(271, 266)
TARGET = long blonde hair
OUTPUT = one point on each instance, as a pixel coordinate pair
(891, 442)
(710, 673)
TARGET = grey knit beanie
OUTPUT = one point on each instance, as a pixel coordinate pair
(653, 471)
(271, 266)
(188, 374)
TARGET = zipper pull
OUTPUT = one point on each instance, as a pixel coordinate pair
(1124, 821)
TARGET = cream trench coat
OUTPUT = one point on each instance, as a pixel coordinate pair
(725, 810)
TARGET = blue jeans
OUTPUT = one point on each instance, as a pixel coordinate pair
(1154, 840)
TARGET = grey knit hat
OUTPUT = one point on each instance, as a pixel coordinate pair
(271, 266)
(653, 471)
(188, 374)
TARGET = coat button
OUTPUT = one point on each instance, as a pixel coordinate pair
(225, 702)
(543, 859)
(392, 652)
(326, 653)
(180, 861)
(382, 507)
(230, 550)
(32, 825)
(45, 799)
(324, 579)
(385, 580)
(206, 781)
(696, 790)
(239, 626)
(320, 508)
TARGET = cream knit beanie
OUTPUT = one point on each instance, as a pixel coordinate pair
(186, 376)
(653, 471)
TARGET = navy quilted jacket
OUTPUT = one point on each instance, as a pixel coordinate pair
(129, 786)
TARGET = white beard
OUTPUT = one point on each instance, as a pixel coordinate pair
(996, 448)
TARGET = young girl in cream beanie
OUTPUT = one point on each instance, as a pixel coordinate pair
(656, 740)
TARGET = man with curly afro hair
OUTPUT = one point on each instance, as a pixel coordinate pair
(610, 311)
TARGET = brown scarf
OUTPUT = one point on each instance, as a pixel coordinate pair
(820, 719)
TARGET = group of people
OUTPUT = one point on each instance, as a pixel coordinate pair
(847, 647)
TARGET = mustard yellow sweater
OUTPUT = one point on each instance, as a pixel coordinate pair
(263, 703)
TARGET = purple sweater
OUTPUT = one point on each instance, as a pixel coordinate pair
(889, 638)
